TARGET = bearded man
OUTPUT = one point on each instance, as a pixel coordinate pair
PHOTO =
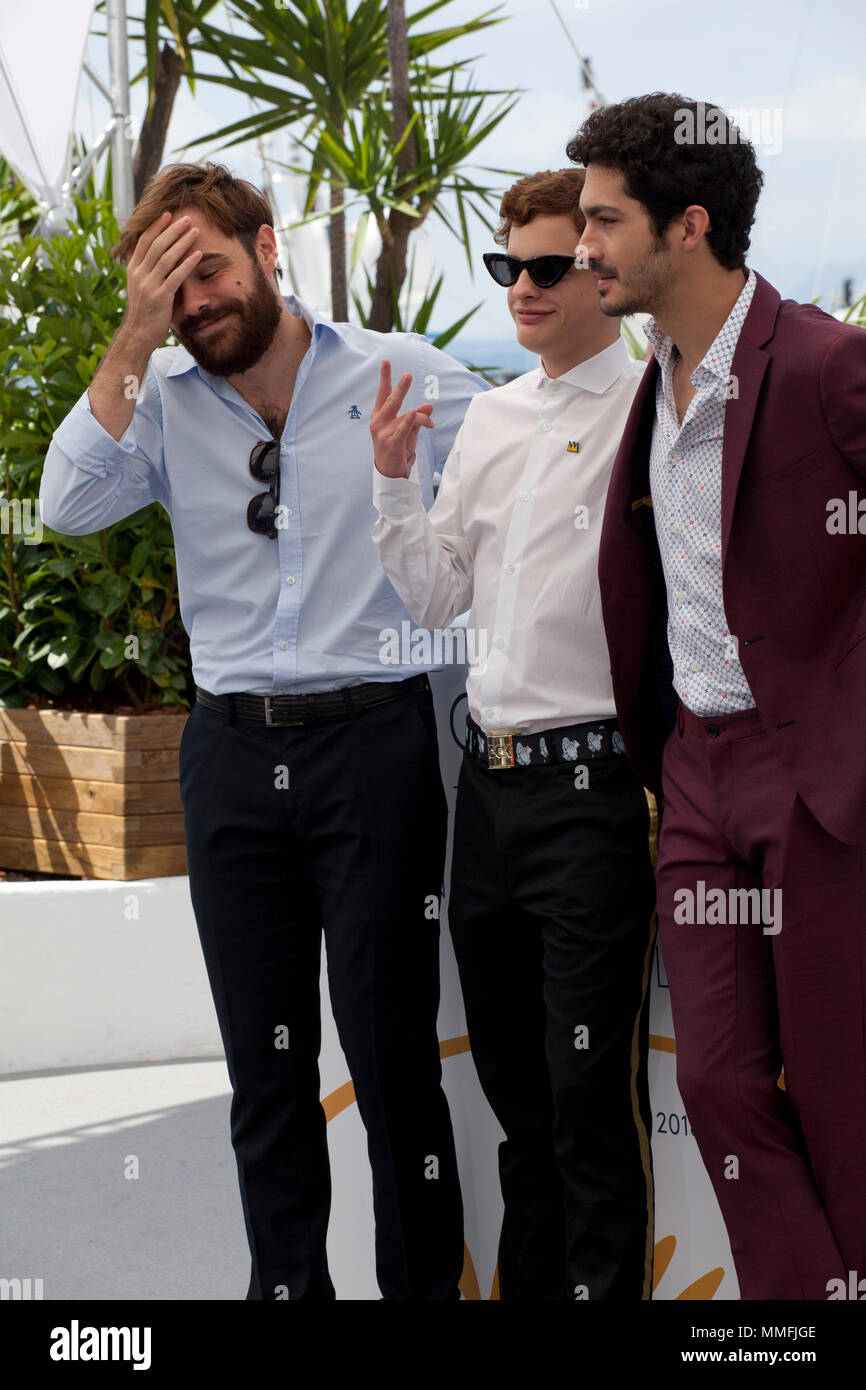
(309, 769)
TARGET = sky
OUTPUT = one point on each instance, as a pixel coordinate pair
(802, 62)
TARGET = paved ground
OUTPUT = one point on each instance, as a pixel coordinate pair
(72, 1210)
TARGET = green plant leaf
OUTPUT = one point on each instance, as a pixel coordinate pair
(93, 597)
(50, 681)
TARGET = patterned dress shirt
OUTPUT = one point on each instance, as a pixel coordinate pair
(686, 487)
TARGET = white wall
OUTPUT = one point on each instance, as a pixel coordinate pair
(100, 973)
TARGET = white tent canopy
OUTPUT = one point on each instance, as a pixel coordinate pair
(42, 45)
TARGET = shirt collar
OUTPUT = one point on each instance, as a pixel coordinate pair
(596, 374)
(719, 355)
(185, 362)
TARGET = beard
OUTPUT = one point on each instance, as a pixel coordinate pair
(245, 336)
(648, 285)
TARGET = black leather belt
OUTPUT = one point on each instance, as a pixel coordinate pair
(322, 707)
(573, 743)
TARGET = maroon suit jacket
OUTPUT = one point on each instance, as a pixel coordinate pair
(794, 593)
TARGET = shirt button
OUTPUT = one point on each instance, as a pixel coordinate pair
(284, 646)
(287, 511)
(509, 569)
(677, 454)
(498, 644)
(488, 714)
(290, 579)
(524, 496)
(546, 426)
(284, 448)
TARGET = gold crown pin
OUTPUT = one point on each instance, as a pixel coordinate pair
(573, 447)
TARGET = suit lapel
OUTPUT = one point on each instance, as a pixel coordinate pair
(627, 497)
(636, 443)
(749, 364)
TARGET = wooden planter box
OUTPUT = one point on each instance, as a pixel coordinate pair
(95, 795)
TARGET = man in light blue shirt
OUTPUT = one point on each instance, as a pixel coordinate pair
(308, 767)
(302, 614)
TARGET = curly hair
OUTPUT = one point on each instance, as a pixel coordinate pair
(553, 193)
(658, 142)
(235, 206)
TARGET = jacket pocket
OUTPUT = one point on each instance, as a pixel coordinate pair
(790, 475)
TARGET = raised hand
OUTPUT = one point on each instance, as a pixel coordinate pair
(395, 436)
(160, 263)
(164, 256)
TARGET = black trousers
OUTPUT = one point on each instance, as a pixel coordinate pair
(336, 828)
(551, 913)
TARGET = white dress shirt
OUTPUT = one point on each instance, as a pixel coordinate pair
(514, 532)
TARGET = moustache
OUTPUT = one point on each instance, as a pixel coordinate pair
(192, 325)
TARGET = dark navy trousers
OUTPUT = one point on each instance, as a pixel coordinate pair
(339, 829)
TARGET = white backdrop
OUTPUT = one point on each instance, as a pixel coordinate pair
(693, 1258)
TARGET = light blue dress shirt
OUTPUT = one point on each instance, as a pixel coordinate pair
(302, 612)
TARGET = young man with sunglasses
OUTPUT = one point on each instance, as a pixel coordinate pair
(308, 768)
(551, 896)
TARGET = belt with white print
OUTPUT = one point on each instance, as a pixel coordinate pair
(571, 744)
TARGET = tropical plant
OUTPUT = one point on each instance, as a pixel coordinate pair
(856, 313)
(90, 621)
(167, 29)
(315, 64)
(18, 211)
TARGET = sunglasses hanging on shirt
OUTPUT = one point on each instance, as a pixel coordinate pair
(544, 271)
(262, 509)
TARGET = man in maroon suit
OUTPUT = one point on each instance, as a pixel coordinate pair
(733, 576)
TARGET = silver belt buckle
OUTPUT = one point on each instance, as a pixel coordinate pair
(278, 723)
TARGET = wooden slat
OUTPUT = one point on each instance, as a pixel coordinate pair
(76, 794)
(50, 823)
(152, 764)
(92, 861)
(156, 730)
(118, 731)
(91, 794)
(92, 764)
(60, 726)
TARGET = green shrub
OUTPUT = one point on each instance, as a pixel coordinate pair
(70, 606)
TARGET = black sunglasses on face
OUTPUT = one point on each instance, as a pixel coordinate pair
(544, 271)
(262, 509)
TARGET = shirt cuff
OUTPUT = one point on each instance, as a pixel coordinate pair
(397, 496)
(83, 441)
